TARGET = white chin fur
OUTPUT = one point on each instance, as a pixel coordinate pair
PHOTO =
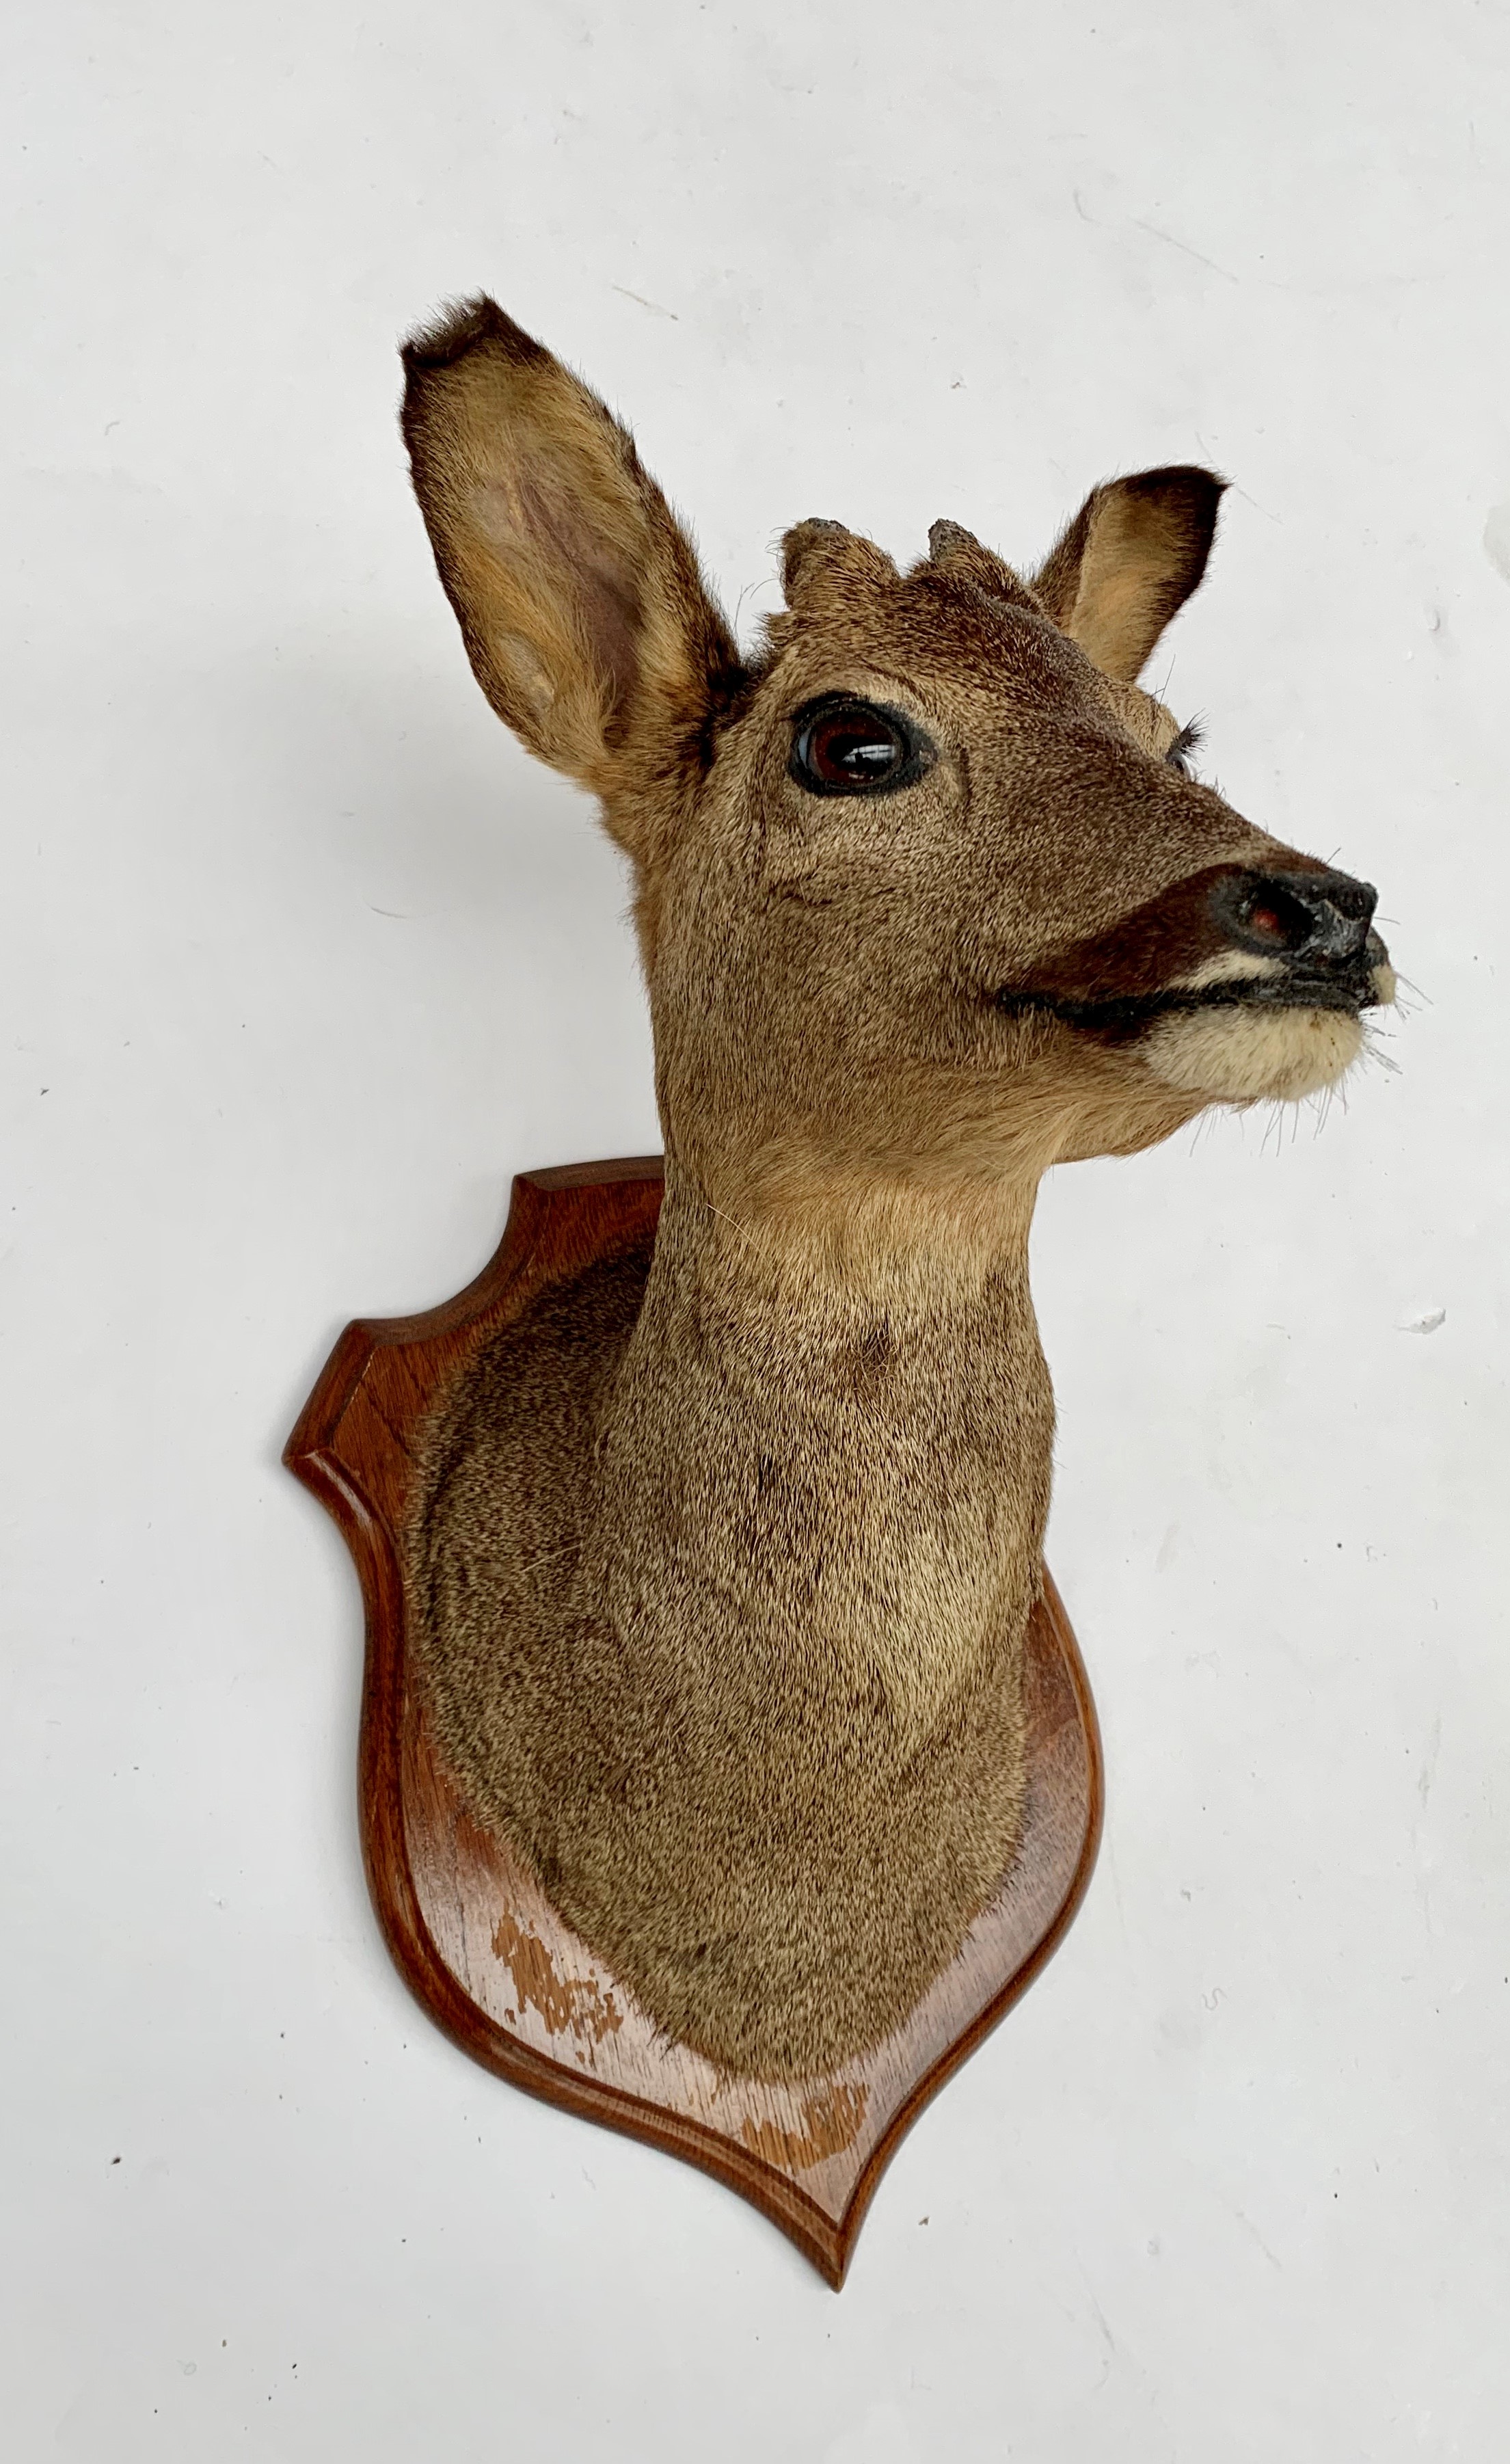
(1245, 1056)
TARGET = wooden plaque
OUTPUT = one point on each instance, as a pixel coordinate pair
(474, 1938)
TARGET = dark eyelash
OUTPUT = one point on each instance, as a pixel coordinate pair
(1178, 756)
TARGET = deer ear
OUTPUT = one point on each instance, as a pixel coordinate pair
(1129, 562)
(581, 603)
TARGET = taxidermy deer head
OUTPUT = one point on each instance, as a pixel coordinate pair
(726, 1570)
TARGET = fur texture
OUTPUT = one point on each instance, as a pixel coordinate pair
(724, 1558)
(768, 1779)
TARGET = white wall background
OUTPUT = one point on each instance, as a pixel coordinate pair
(303, 958)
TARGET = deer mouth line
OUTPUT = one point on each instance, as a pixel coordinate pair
(1120, 1015)
(1230, 938)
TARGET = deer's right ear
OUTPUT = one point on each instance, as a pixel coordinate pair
(1129, 562)
(578, 596)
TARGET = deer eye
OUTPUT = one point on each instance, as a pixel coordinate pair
(844, 747)
(1180, 755)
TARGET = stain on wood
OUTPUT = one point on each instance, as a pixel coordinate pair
(472, 1934)
(574, 2002)
(830, 2122)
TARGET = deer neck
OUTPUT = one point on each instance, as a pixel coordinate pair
(825, 1468)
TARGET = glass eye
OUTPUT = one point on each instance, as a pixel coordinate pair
(844, 747)
(1181, 754)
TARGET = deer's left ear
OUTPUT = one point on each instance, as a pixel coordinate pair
(1129, 562)
(578, 596)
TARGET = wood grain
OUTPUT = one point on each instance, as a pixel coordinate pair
(473, 1937)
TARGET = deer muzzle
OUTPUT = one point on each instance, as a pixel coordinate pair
(1318, 925)
(1299, 936)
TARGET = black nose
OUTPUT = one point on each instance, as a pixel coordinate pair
(1320, 917)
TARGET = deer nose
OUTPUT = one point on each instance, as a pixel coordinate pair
(1321, 918)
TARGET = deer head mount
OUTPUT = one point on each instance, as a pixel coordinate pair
(723, 1570)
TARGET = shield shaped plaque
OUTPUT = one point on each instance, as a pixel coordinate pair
(472, 1934)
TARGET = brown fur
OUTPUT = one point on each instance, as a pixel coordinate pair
(1129, 562)
(726, 1556)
